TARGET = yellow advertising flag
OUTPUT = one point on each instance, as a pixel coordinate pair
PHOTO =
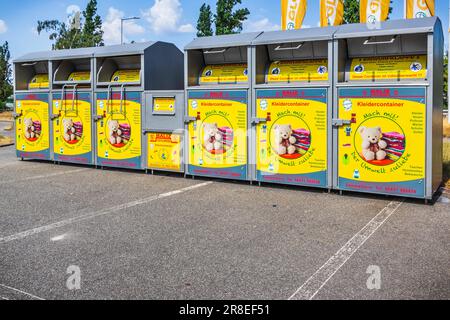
(419, 9)
(331, 12)
(373, 11)
(292, 13)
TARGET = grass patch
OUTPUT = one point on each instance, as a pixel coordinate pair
(5, 140)
(446, 128)
(6, 116)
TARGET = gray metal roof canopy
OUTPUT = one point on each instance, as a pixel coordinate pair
(232, 40)
(390, 27)
(308, 34)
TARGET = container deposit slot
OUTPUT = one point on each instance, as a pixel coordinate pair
(218, 66)
(32, 76)
(286, 63)
(387, 58)
(72, 72)
(117, 73)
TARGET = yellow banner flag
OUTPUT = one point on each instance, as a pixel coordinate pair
(419, 9)
(373, 11)
(292, 13)
(331, 12)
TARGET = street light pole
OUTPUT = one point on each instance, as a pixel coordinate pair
(121, 26)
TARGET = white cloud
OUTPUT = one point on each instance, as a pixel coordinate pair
(3, 26)
(187, 28)
(111, 27)
(260, 25)
(73, 8)
(164, 16)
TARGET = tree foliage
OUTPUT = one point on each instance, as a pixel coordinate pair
(6, 89)
(68, 35)
(204, 24)
(227, 19)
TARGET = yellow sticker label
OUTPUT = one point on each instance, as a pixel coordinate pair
(126, 76)
(119, 132)
(224, 73)
(164, 151)
(72, 134)
(39, 81)
(164, 105)
(298, 71)
(219, 138)
(389, 68)
(293, 140)
(32, 127)
(80, 76)
(383, 150)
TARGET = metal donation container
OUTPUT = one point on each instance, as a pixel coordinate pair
(292, 105)
(72, 106)
(388, 108)
(218, 96)
(123, 73)
(32, 99)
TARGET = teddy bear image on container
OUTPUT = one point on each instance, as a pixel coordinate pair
(212, 138)
(69, 130)
(29, 129)
(373, 146)
(115, 134)
(284, 141)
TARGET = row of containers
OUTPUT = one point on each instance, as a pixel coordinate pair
(349, 108)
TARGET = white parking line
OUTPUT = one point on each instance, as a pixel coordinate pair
(44, 176)
(319, 279)
(29, 295)
(103, 212)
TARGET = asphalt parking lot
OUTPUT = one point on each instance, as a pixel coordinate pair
(137, 236)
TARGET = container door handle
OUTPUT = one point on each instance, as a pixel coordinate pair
(257, 121)
(369, 42)
(16, 115)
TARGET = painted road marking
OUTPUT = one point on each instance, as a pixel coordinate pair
(17, 291)
(96, 214)
(319, 279)
(44, 176)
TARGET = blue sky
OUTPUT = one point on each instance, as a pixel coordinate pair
(169, 20)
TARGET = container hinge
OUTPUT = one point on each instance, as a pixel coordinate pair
(340, 122)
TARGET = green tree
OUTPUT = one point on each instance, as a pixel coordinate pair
(204, 23)
(6, 89)
(92, 35)
(227, 20)
(86, 32)
(351, 11)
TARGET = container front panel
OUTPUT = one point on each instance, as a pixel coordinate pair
(33, 126)
(291, 147)
(383, 150)
(72, 129)
(119, 131)
(218, 139)
(165, 151)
